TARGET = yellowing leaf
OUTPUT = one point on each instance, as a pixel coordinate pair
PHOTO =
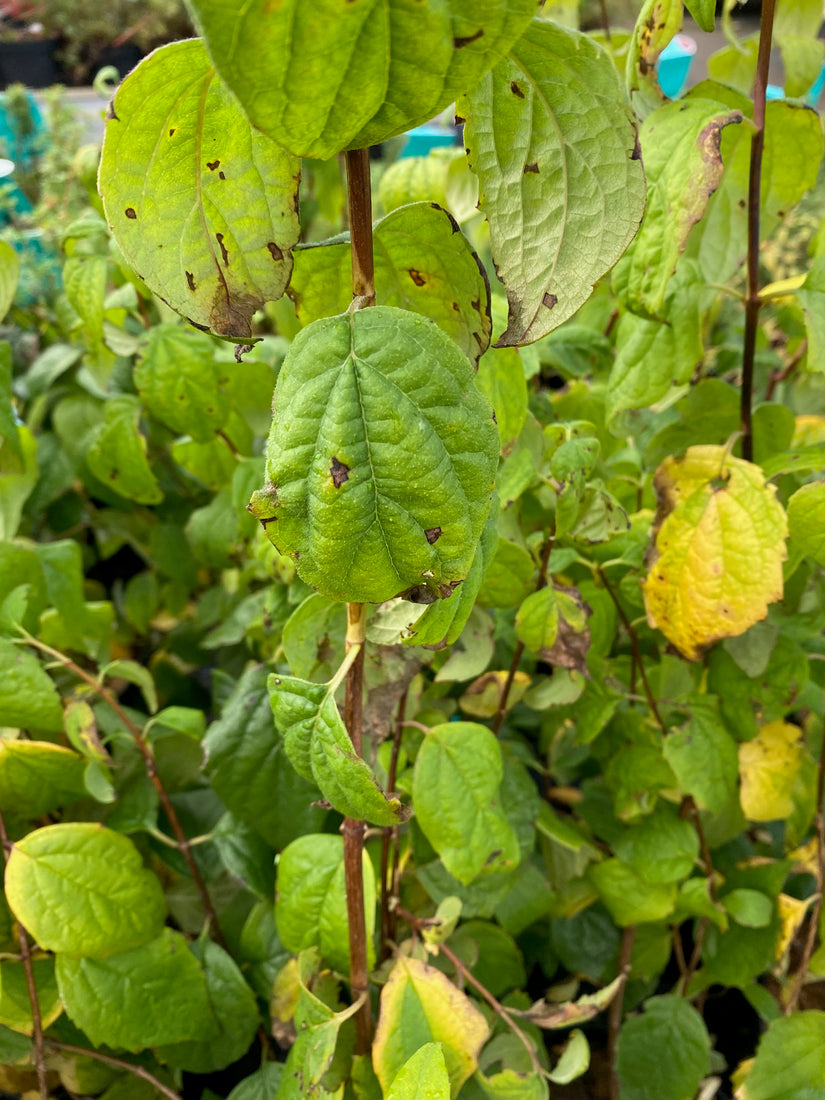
(791, 913)
(809, 430)
(768, 766)
(419, 1005)
(481, 699)
(719, 548)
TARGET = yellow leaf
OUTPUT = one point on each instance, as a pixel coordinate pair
(805, 858)
(768, 767)
(808, 431)
(419, 1004)
(791, 912)
(482, 697)
(719, 548)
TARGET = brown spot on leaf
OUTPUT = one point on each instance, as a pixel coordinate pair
(110, 112)
(456, 307)
(130, 213)
(339, 472)
(432, 534)
(476, 304)
(417, 277)
(274, 251)
(224, 253)
(213, 164)
(221, 176)
(549, 300)
(460, 43)
(533, 167)
(742, 204)
(194, 324)
(190, 278)
(515, 88)
(459, 121)
(172, 132)
(637, 150)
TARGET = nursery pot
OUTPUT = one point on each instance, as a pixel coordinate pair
(31, 63)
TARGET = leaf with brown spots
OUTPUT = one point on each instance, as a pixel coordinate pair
(216, 248)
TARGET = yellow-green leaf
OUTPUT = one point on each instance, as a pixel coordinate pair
(768, 767)
(806, 520)
(421, 1005)
(719, 549)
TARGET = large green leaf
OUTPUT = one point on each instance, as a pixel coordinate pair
(311, 904)
(423, 262)
(336, 76)
(704, 759)
(15, 1002)
(422, 1077)
(249, 770)
(661, 847)
(117, 452)
(420, 1005)
(630, 899)
(381, 458)
(153, 994)
(180, 382)
(458, 773)
(319, 747)
(790, 1060)
(806, 520)
(233, 1008)
(36, 777)
(669, 1024)
(562, 203)
(683, 167)
(28, 697)
(202, 205)
(811, 296)
(82, 889)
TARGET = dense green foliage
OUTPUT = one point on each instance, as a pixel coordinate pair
(593, 660)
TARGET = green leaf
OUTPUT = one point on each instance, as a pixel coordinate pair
(117, 453)
(260, 1085)
(806, 520)
(509, 576)
(107, 998)
(381, 458)
(135, 674)
(561, 207)
(84, 280)
(11, 453)
(248, 768)
(790, 1059)
(316, 618)
(15, 486)
(458, 772)
(82, 889)
(668, 1024)
(656, 24)
(319, 747)
(704, 759)
(311, 906)
(574, 1060)
(422, 1077)
(629, 898)
(202, 205)
(501, 380)
(28, 697)
(344, 78)
(749, 907)
(703, 12)
(180, 382)
(661, 847)
(185, 720)
(233, 1008)
(811, 297)
(37, 777)
(9, 272)
(420, 1005)
(15, 1003)
(422, 263)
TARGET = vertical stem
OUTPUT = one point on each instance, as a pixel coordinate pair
(614, 1016)
(31, 987)
(752, 302)
(359, 200)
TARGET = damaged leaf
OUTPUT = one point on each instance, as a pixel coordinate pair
(553, 623)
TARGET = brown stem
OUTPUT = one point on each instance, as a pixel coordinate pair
(359, 198)
(116, 1063)
(390, 839)
(519, 652)
(31, 986)
(816, 911)
(634, 645)
(695, 955)
(614, 1015)
(778, 376)
(752, 300)
(149, 764)
(605, 19)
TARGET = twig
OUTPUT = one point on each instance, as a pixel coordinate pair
(778, 376)
(605, 19)
(417, 925)
(752, 299)
(519, 651)
(145, 750)
(634, 646)
(695, 955)
(816, 911)
(359, 201)
(390, 839)
(116, 1063)
(614, 1015)
(31, 985)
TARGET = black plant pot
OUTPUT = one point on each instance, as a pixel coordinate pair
(31, 63)
(124, 58)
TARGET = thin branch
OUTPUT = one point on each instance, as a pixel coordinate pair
(115, 1063)
(778, 376)
(695, 955)
(31, 985)
(813, 926)
(614, 1015)
(519, 651)
(359, 198)
(145, 750)
(752, 299)
(390, 840)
